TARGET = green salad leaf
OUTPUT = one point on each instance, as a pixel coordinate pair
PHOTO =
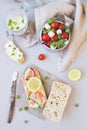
(58, 44)
(67, 29)
(44, 31)
(52, 20)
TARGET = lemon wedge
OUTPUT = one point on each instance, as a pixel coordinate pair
(34, 84)
(74, 74)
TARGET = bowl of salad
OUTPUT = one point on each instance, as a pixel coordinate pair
(55, 35)
(16, 21)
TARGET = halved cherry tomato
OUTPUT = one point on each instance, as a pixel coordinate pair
(47, 43)
(55, 25)
(54, 38)
(41, 57)
(62, 26)
(45, 37)
(65, 35)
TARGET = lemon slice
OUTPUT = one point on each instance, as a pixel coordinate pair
(74, 75)
(34, 84)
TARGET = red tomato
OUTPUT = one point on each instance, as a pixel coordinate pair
(47, 43)
(62, 26)
(41, 57)
(55, 25)
(65, 35)
(54, 38)
(45, 37)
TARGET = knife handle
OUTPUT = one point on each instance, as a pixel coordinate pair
(12, 105)
(11, 111)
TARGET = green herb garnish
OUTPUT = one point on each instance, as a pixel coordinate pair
(9, 45)
(26, 121)
(77, 105)
(15, 23)
(20, 109)
(13, 54)
(46, 78)
(17, 28)
(18, 96)
(19, 60)
(9, 22)
(26, 108)
(22, 20)
(14, 48)
(12, 28)
(28, 98)
(19, 55)
(52, 20)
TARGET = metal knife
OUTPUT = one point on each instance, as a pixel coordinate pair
(13, 95)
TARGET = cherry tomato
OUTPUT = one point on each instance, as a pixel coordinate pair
(41, 57)
(55, 25)
(62, 26)
(47, 43)
(54, 38)
(45, 37)
(65, 35)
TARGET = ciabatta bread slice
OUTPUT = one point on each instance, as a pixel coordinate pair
(57, 101)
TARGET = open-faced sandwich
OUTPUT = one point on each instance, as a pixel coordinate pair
(13, 52)
(34, 88)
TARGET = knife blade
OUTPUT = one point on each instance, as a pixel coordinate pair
(13, 95)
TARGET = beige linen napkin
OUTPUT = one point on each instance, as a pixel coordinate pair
(29, 38)
(74, 10)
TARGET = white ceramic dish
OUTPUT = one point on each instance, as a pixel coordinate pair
(50, 49)
(14, 13)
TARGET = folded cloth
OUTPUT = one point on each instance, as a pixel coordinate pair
(29, 38)
(76, 11)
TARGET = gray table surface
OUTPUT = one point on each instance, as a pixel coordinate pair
(74, 118)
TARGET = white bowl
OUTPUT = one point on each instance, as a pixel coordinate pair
(14, 13)
(50, 49)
